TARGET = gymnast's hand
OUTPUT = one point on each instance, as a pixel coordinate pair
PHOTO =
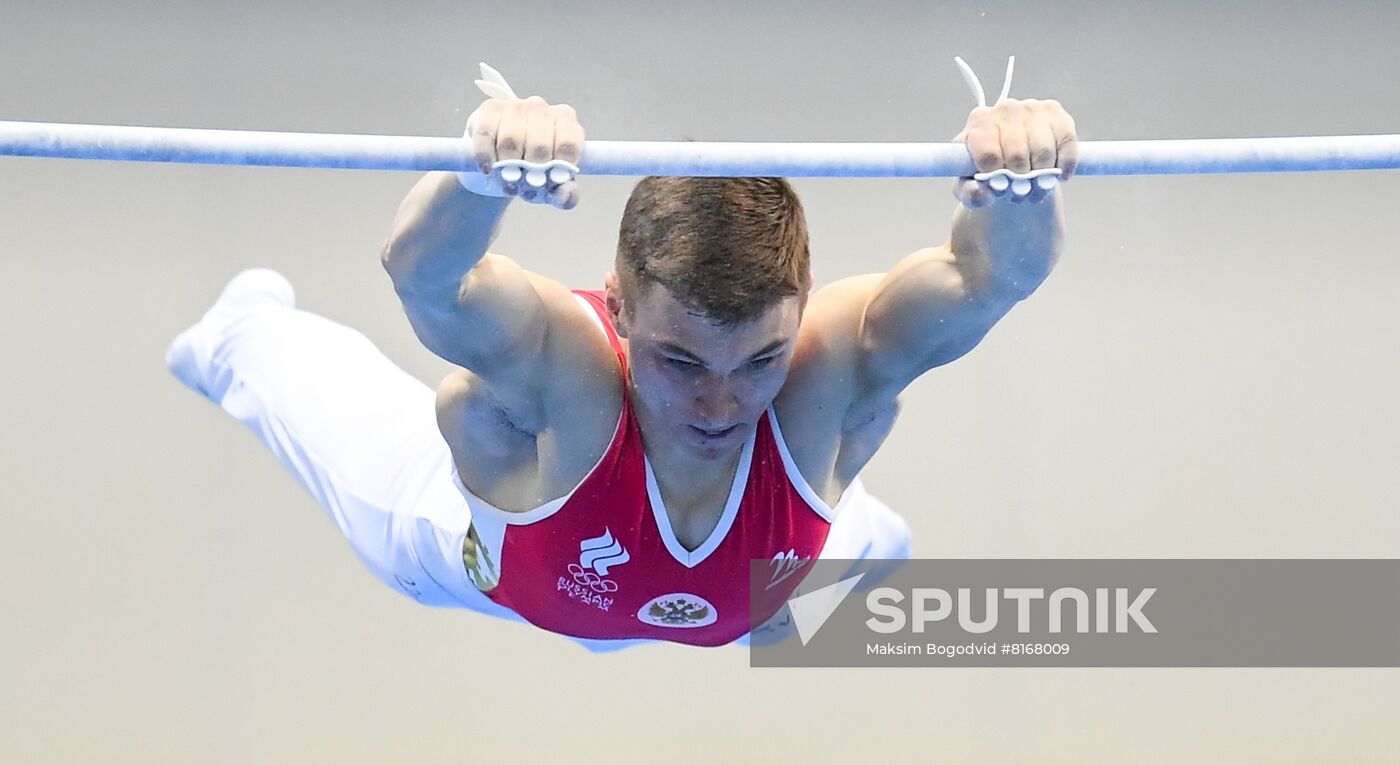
(1019, 136)
(507, 127)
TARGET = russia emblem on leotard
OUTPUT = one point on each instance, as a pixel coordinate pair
(679, 609)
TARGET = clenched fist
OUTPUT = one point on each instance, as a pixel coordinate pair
(506, 127)
(1019, 136)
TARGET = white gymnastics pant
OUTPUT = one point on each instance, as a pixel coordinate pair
(361, 435)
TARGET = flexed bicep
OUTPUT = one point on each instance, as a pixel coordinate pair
(921, 315)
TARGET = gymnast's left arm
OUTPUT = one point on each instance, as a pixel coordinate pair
(938, 303)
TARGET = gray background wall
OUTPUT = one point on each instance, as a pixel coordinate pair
(1210, 373)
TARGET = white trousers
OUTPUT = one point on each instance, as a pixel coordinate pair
(361, 435)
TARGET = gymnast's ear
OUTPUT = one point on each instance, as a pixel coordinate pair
(802, 302)
(614, 301)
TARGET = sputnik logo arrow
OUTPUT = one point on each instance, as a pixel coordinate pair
(811, 610)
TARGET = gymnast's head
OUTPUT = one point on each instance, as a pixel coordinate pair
(710, 281)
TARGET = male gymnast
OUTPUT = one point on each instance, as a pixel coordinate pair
(604, 464)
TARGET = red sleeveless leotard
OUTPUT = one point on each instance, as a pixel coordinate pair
(602, 561)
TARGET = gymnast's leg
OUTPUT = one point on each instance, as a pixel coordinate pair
(359, 433)
(867, 529)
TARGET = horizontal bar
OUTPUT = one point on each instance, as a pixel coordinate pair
(635, 158)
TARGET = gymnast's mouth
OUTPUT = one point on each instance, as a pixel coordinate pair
(712, 433)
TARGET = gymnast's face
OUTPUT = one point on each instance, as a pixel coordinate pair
(704, 383)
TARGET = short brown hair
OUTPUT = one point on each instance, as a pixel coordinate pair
(724, 247)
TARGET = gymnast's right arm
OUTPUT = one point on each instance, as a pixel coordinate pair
(464, 304)
(476, 309)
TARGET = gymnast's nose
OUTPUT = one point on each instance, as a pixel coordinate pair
(717, 405)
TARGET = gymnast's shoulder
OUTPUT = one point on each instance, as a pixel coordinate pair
(825, 381)
(537, 384)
